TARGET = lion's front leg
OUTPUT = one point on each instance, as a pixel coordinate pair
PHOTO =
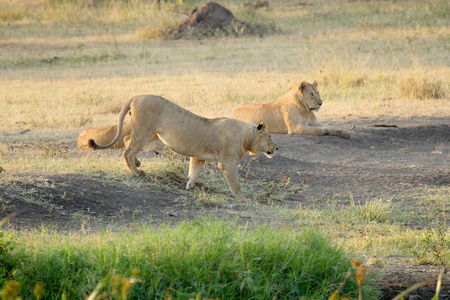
(317, 128)
(297, 125)
(306, 130)
(332, 130)
(338, 132)
(195, 166)
(230, 172)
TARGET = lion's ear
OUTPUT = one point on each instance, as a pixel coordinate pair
(315, 83)
(303, 86)
(261, 126)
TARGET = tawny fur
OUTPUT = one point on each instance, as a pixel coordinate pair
(292, 114)
(223, 140)
(103, 135)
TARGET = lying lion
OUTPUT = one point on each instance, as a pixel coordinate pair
(107, 133)
(103, 135)
(224, 140)
(292, 114)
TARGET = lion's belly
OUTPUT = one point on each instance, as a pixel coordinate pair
(192, 147)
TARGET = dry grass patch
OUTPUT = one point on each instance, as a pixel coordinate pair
(421, 88)
(338, 76)
(74, 103)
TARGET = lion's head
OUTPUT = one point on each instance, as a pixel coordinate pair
(310, 96)
(263, 142)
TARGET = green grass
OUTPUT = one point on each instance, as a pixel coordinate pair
(207, 258)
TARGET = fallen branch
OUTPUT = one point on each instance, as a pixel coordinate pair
(383, 125)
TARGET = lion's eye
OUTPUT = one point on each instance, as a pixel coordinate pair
(312, 95)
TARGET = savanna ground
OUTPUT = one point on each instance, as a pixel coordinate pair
(383, 194)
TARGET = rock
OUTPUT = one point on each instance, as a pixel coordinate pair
(206, 19)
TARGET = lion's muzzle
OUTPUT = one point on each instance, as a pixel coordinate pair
(270, 153)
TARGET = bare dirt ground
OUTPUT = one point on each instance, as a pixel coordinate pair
(376, 162)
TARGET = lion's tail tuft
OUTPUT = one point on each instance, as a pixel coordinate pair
(92, 144)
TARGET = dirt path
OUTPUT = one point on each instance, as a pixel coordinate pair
(377, 162)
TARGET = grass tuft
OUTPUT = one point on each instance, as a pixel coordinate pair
(253, 22)
(421, 88)
(207, 199)
(375, 210)
(342, 77)
(161, 24)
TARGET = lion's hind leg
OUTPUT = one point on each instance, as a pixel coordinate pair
(133, 148)
(195, 166)
(127, 141)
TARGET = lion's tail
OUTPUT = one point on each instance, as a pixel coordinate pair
(123, 112)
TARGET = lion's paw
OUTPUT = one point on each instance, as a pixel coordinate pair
(139, 173)
(242, 198)
(343, 134)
